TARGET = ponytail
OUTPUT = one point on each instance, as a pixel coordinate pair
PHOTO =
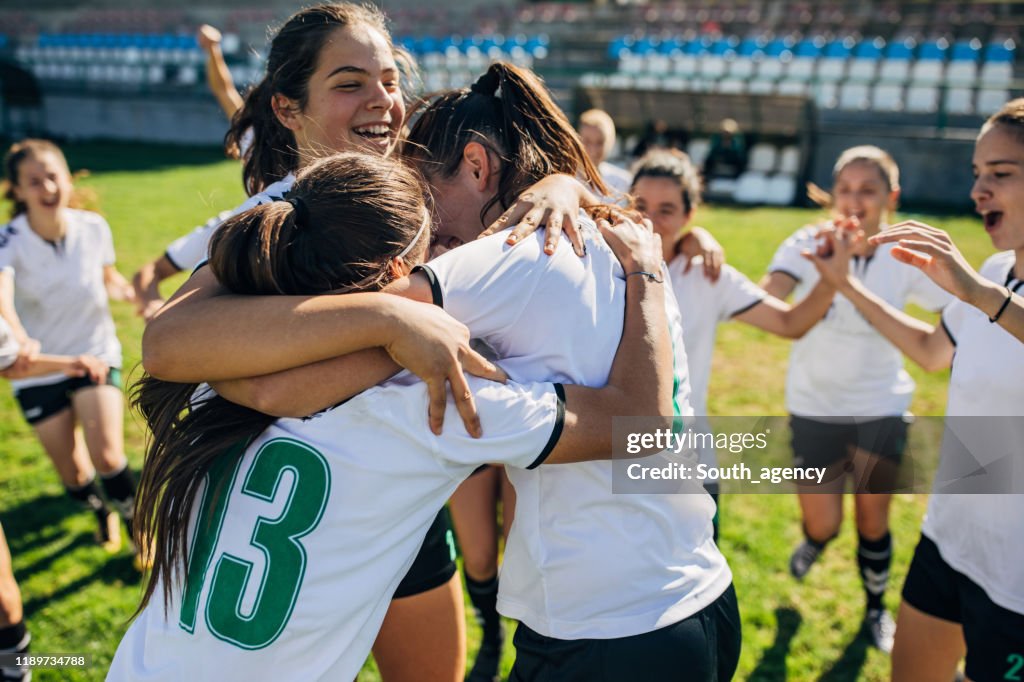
(510, 112)
(273, 153)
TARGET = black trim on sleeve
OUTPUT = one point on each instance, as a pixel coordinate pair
(745, 308)
(202, 264)
(167, 255)
(556, 432)
(435, 286)
(952, 339)
(787, 273)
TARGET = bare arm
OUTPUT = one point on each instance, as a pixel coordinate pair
(146, 283)
(118, 287)
(218, 76)
(641, 379)
(933, 252)
(28, 348)
(778, 284)
(82, 365)
(791, 322)
(699, 242)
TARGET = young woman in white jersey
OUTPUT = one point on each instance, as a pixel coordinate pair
(846, 389)
(667, 188)
(333, 83)
(56, 272)
(965, 587)
(606, 595)
(347, 494)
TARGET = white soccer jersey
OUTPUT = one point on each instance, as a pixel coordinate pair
(8, 345)
(581, 562)
(322, 519)
(59, 293)
(843, 366)
(188, 251)
(980, 535)
(703, 304)
(619, 180)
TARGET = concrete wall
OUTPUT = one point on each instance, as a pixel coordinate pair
(180, 119)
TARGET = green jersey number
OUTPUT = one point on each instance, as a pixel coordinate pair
(278, 538)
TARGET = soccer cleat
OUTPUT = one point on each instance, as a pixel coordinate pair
(487, 666)
(108, 535)
(881, 629)
(802, 559)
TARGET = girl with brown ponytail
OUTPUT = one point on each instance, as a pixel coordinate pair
(585, 571)
(278, 543)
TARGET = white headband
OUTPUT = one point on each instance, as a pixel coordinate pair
(416, 239)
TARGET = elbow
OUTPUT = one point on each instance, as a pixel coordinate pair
(158, 357)
(932, 364)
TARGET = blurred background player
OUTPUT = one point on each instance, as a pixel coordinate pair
(56, 273)
(597, 132)
(847, 392)
(14, 636)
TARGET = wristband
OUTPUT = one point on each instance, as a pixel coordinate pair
(1002, 308)
(651, 277)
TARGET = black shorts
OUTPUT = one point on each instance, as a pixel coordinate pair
(704, 648)
(435, 563)
(39, 402)
(994, 635)
(832, 445)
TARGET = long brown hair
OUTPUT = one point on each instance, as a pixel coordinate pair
(347, 217)
(509, 111)
(294, 54)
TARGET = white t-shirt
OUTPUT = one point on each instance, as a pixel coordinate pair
(188, 251)
(59, 293)
(981, 535)
(323, 518)
(580, 562)
(618, 179)
(843, 367)
(8, 345)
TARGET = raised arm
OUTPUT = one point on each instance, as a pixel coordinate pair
(641, 379)
(923, 343)
(933, 252)
(218, 76)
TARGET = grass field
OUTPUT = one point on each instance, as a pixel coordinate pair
(77, 598)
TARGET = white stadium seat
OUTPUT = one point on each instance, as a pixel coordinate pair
(961, 73)
(780, 190)
(791, 87)
(922, 98)
(698, 150)
(831, 69)
(761, 87)
(991, 101)
(826, 95)
(763, 158)
(741, 67)
(722, 187)
(887, 97)
(854, 96)
(801, 69)
(751, 188)
(998, 74)
(959, 101)
(926, 72)
(862, 69)
(733, 86)
(789, 160)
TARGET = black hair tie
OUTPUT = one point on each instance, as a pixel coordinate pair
(301, 211)
(487, 84)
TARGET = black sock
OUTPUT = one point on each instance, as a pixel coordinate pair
(873, 559)
(120, 489)
(484, 597)
(89, 496)
(14, 638)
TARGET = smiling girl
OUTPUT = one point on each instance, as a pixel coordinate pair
(964, 592)
(56, 272)
(846, 390)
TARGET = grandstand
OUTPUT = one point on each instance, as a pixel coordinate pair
(797, 75)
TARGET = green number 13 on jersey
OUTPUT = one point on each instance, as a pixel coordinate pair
(278, 538)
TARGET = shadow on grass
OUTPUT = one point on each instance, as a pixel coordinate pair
(772, 666)
(118, 569)
(103, 157)
(847, 668)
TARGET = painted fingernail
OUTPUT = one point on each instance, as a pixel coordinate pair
(512, 239)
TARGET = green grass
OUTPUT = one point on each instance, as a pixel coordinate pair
(77, 598)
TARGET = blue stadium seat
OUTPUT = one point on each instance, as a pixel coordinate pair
(997, 71)
(867, 56)
(931, 63)
(963, 69)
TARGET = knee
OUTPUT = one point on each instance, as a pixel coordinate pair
(823, 527)
(480, 565)
(872, 524)
(10, 603)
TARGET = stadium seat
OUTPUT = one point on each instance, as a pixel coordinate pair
(763, 158)
(675, 83)
(997, 69)
(930, 65)
(959, 101)
(780, 189)
(963, 65)
(722, 187)
(991, 100)
(751, 188)
(832, 65)
(697, 150)
(895, 66)
(789, 160)
(826, 94)
(887, 97)
(922, 98)
(866, 58)
(805, 56)
(854, 95)
(647, 82)
(795, 88)
(732, 86)
(761, 87)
